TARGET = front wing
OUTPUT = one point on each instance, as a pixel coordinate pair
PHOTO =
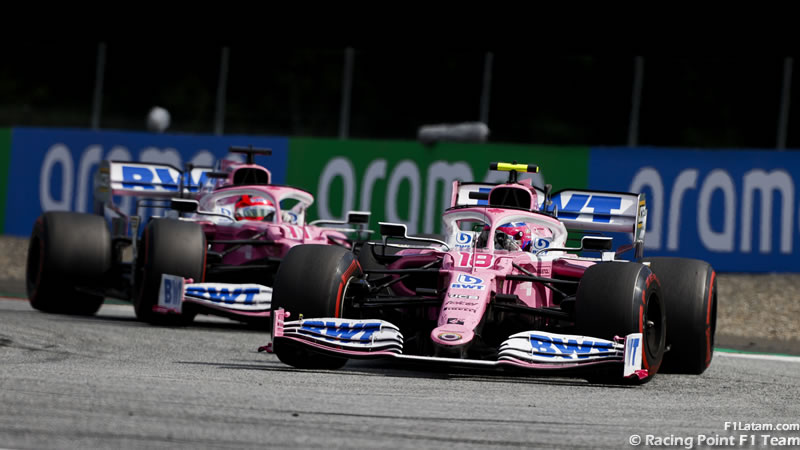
(536, 350)
(237, 301)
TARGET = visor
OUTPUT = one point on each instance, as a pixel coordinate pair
(255, 211)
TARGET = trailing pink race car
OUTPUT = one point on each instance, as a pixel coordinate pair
(503, 289)
(214, 251)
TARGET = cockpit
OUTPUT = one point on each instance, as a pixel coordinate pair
(527, 232)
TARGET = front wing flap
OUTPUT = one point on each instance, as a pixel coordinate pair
(535, 350)
(344, 335)
(245, 300)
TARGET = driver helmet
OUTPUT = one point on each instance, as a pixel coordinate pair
(253, 208)
(513, 236)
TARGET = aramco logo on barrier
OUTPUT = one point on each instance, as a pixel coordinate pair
(716, 196)
(406, 192)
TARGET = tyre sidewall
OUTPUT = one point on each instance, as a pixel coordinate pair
(311, 283)
(67, 251)
(171, 247)
(612, 300)
(689, 289)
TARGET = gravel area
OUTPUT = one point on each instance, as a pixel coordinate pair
(760, 306)
(13, 252)
(757, 312)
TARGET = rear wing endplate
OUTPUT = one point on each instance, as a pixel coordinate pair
(584, 210)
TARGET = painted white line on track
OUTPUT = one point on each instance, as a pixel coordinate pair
(785, 358)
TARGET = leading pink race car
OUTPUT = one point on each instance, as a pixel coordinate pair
(503, 289)
(214, 249)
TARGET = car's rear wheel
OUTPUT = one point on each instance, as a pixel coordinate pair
(170, 247)
(617, 299)
(67, 251)
(311, 283)
(689, 287)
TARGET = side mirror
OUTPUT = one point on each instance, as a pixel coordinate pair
(479, 195)
(357, 217)
(184, 205)
(398, 230)
(598, 243)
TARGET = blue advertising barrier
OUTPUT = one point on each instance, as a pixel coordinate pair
(53, 169)
(736, 209)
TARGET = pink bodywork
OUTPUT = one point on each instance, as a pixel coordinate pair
(282, 236)
(469, 277)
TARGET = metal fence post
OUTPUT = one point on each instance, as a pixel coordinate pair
(99, 75)
(219, 114)
(486, 91)
(786, 91)
(347, 89)
(636, 102)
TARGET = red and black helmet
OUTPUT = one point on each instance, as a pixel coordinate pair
(253, 208)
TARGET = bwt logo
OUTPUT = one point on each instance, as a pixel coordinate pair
(601, 206)
(633, 350)
(468, 282)
(554, 346)
(734, 209)
(469, 279)
(342, 330)
(223, 295)
(172, 291)
(463, 240)
(159, 178)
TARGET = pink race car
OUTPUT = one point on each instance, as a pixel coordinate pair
(503, 289)
(214, 251)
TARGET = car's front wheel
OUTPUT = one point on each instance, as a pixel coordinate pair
(617, 299)
(311, 283)
(170, 247)
(690, 300)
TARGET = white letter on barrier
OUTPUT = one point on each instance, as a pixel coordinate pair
(447, 173)
(203, 158)
(57, 154)
(777, 180)
(685, 181)
(405, 170)
(648, 176)
(717, 241)
(375, 171)
(91, 156)
(337, 167)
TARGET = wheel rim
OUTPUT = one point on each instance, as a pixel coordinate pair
(345, 298)
(653, 335)
(713, 324)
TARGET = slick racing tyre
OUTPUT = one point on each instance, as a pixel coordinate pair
(689, 288)
(170, 247)
(67, 251)
(312, 281)
(616, 299)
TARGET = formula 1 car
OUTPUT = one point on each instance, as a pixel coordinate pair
(503, 290)
(215, 251)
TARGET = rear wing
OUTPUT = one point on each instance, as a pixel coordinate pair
(602, 211)
(146, 180)
(473, 194)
